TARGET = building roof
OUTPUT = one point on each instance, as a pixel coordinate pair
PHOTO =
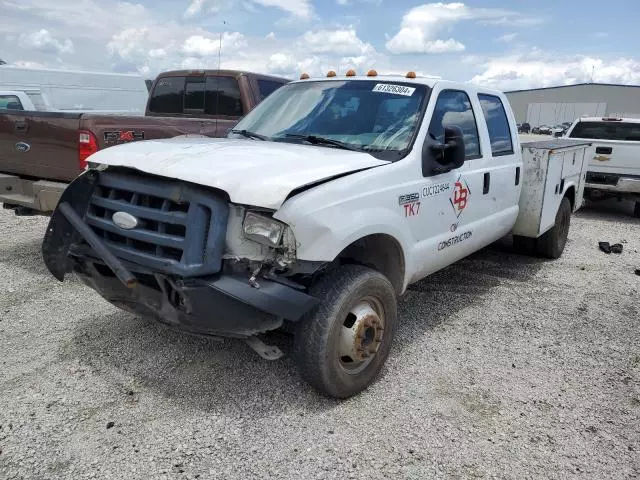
(574, 85)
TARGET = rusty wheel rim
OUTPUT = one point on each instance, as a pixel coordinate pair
(361, 335)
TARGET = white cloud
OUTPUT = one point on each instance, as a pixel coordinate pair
(544, 70)
(128, 42)
(342, 41)
(301, 9)
(201, 46)
(157, 53)
(298, 8)
(43, 41)
(507, 37)
(194, 8)
(421, 26)
(270, 36)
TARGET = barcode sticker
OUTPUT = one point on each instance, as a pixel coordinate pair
(396, 89)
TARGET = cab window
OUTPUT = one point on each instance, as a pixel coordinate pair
(10, 102)
(267, 87)
(497, 124)
(453, 108)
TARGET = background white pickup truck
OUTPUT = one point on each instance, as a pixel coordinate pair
(331, 197)
(614, 167)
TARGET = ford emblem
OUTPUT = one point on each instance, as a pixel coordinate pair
(124, 220)
(23, 147)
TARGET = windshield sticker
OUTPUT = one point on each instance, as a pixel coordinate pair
(460, 196)
(408, 198)
(433, 190)
(396, 89)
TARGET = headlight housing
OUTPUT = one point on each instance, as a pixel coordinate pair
(263, 229)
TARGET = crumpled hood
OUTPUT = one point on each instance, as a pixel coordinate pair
(252, 172)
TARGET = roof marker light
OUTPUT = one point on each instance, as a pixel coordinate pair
(411, 75)
(372, 73)
(351, 73)
(304, 76)
(331, 73)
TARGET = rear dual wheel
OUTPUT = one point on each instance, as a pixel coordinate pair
(341, 347)
(551, 244)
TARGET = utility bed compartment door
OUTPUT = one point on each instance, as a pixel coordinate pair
(550, 167)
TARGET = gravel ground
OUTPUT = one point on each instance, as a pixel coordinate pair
(503, 367)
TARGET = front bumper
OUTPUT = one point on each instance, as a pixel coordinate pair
(219, 304)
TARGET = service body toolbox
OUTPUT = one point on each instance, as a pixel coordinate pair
(552, 169)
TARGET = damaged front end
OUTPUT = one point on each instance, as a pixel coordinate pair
(177, 252)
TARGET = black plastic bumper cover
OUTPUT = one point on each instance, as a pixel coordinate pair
(221, 305)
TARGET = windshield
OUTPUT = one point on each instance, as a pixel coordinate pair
(377, 117)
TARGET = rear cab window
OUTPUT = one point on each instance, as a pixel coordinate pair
(607, 130)
(497, 124)
(267, 87)
(10, 102)
(209, 95)
(453, 108)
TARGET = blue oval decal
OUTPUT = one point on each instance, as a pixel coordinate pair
(23, 147)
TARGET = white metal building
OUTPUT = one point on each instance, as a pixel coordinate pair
(555, 105)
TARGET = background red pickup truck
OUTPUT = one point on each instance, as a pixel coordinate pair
(41, 152)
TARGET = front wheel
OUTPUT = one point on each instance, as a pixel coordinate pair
(551, 244)
(342, 345)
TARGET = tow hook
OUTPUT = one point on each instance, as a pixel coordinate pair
(253, 279)
(268, 352)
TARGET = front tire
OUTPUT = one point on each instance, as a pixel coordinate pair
(636, 210)
(551, 244)
(341, 346)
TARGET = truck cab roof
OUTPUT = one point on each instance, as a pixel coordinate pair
(430, 82)
(216, 72)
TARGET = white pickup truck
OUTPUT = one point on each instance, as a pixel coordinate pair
(326, 202)
(614, 167)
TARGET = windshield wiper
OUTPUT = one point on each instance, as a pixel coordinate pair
(248, 134)
(314, 140)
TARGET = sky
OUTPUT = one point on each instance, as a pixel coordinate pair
(501, 44)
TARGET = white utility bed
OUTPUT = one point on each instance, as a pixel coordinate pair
(550, 168)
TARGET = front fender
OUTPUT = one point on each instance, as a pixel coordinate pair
(321, 236)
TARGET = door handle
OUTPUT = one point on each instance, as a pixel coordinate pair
(487, 183)
(21, 126)
(604, 150)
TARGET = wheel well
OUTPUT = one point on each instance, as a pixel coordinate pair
(571, 195)
(380, 252)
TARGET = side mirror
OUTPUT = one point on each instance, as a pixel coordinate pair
(447, 156)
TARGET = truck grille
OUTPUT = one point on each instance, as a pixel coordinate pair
(180, 228)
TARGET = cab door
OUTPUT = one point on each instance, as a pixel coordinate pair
(453, 196)
(502, 160)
